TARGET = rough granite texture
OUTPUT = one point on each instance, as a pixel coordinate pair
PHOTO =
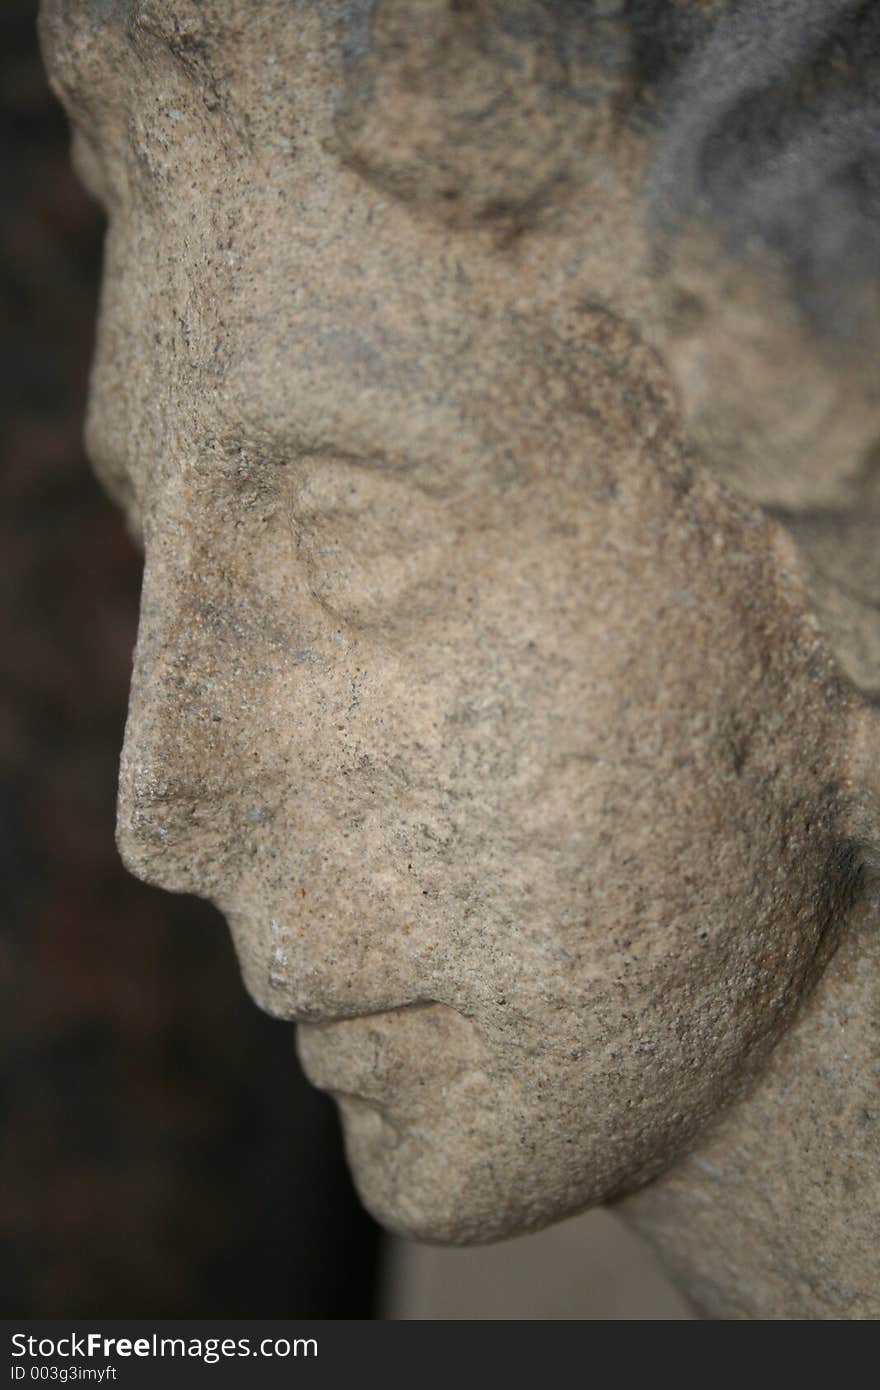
(508, 651)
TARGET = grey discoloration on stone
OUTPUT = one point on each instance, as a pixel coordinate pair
(480, 681)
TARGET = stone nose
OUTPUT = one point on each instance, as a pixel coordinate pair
(184, 758)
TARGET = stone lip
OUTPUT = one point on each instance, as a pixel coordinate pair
(364, 1056)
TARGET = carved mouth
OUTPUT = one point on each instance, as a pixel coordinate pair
(372, 1056)
(337, 1020)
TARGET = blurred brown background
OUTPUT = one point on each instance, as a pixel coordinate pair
(161, 1153)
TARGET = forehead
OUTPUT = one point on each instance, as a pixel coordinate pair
(214, 22)
(171, 13)
(573, 31)
(88, 42)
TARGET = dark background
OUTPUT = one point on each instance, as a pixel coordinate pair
(161, 1154)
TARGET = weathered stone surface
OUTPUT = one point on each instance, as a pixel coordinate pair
(480, 681)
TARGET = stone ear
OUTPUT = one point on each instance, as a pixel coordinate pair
(479, 110)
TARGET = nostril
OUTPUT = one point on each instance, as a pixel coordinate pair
(155, 827)
(174, 825)
(141, 844)
(149, 842)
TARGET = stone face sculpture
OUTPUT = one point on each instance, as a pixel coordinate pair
(493, 387)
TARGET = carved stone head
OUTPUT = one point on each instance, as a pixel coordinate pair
(457, 396)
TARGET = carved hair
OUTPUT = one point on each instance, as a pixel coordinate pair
(762, 119)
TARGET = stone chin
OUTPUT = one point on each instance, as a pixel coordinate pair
(466, 1174)
(422, 1188)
